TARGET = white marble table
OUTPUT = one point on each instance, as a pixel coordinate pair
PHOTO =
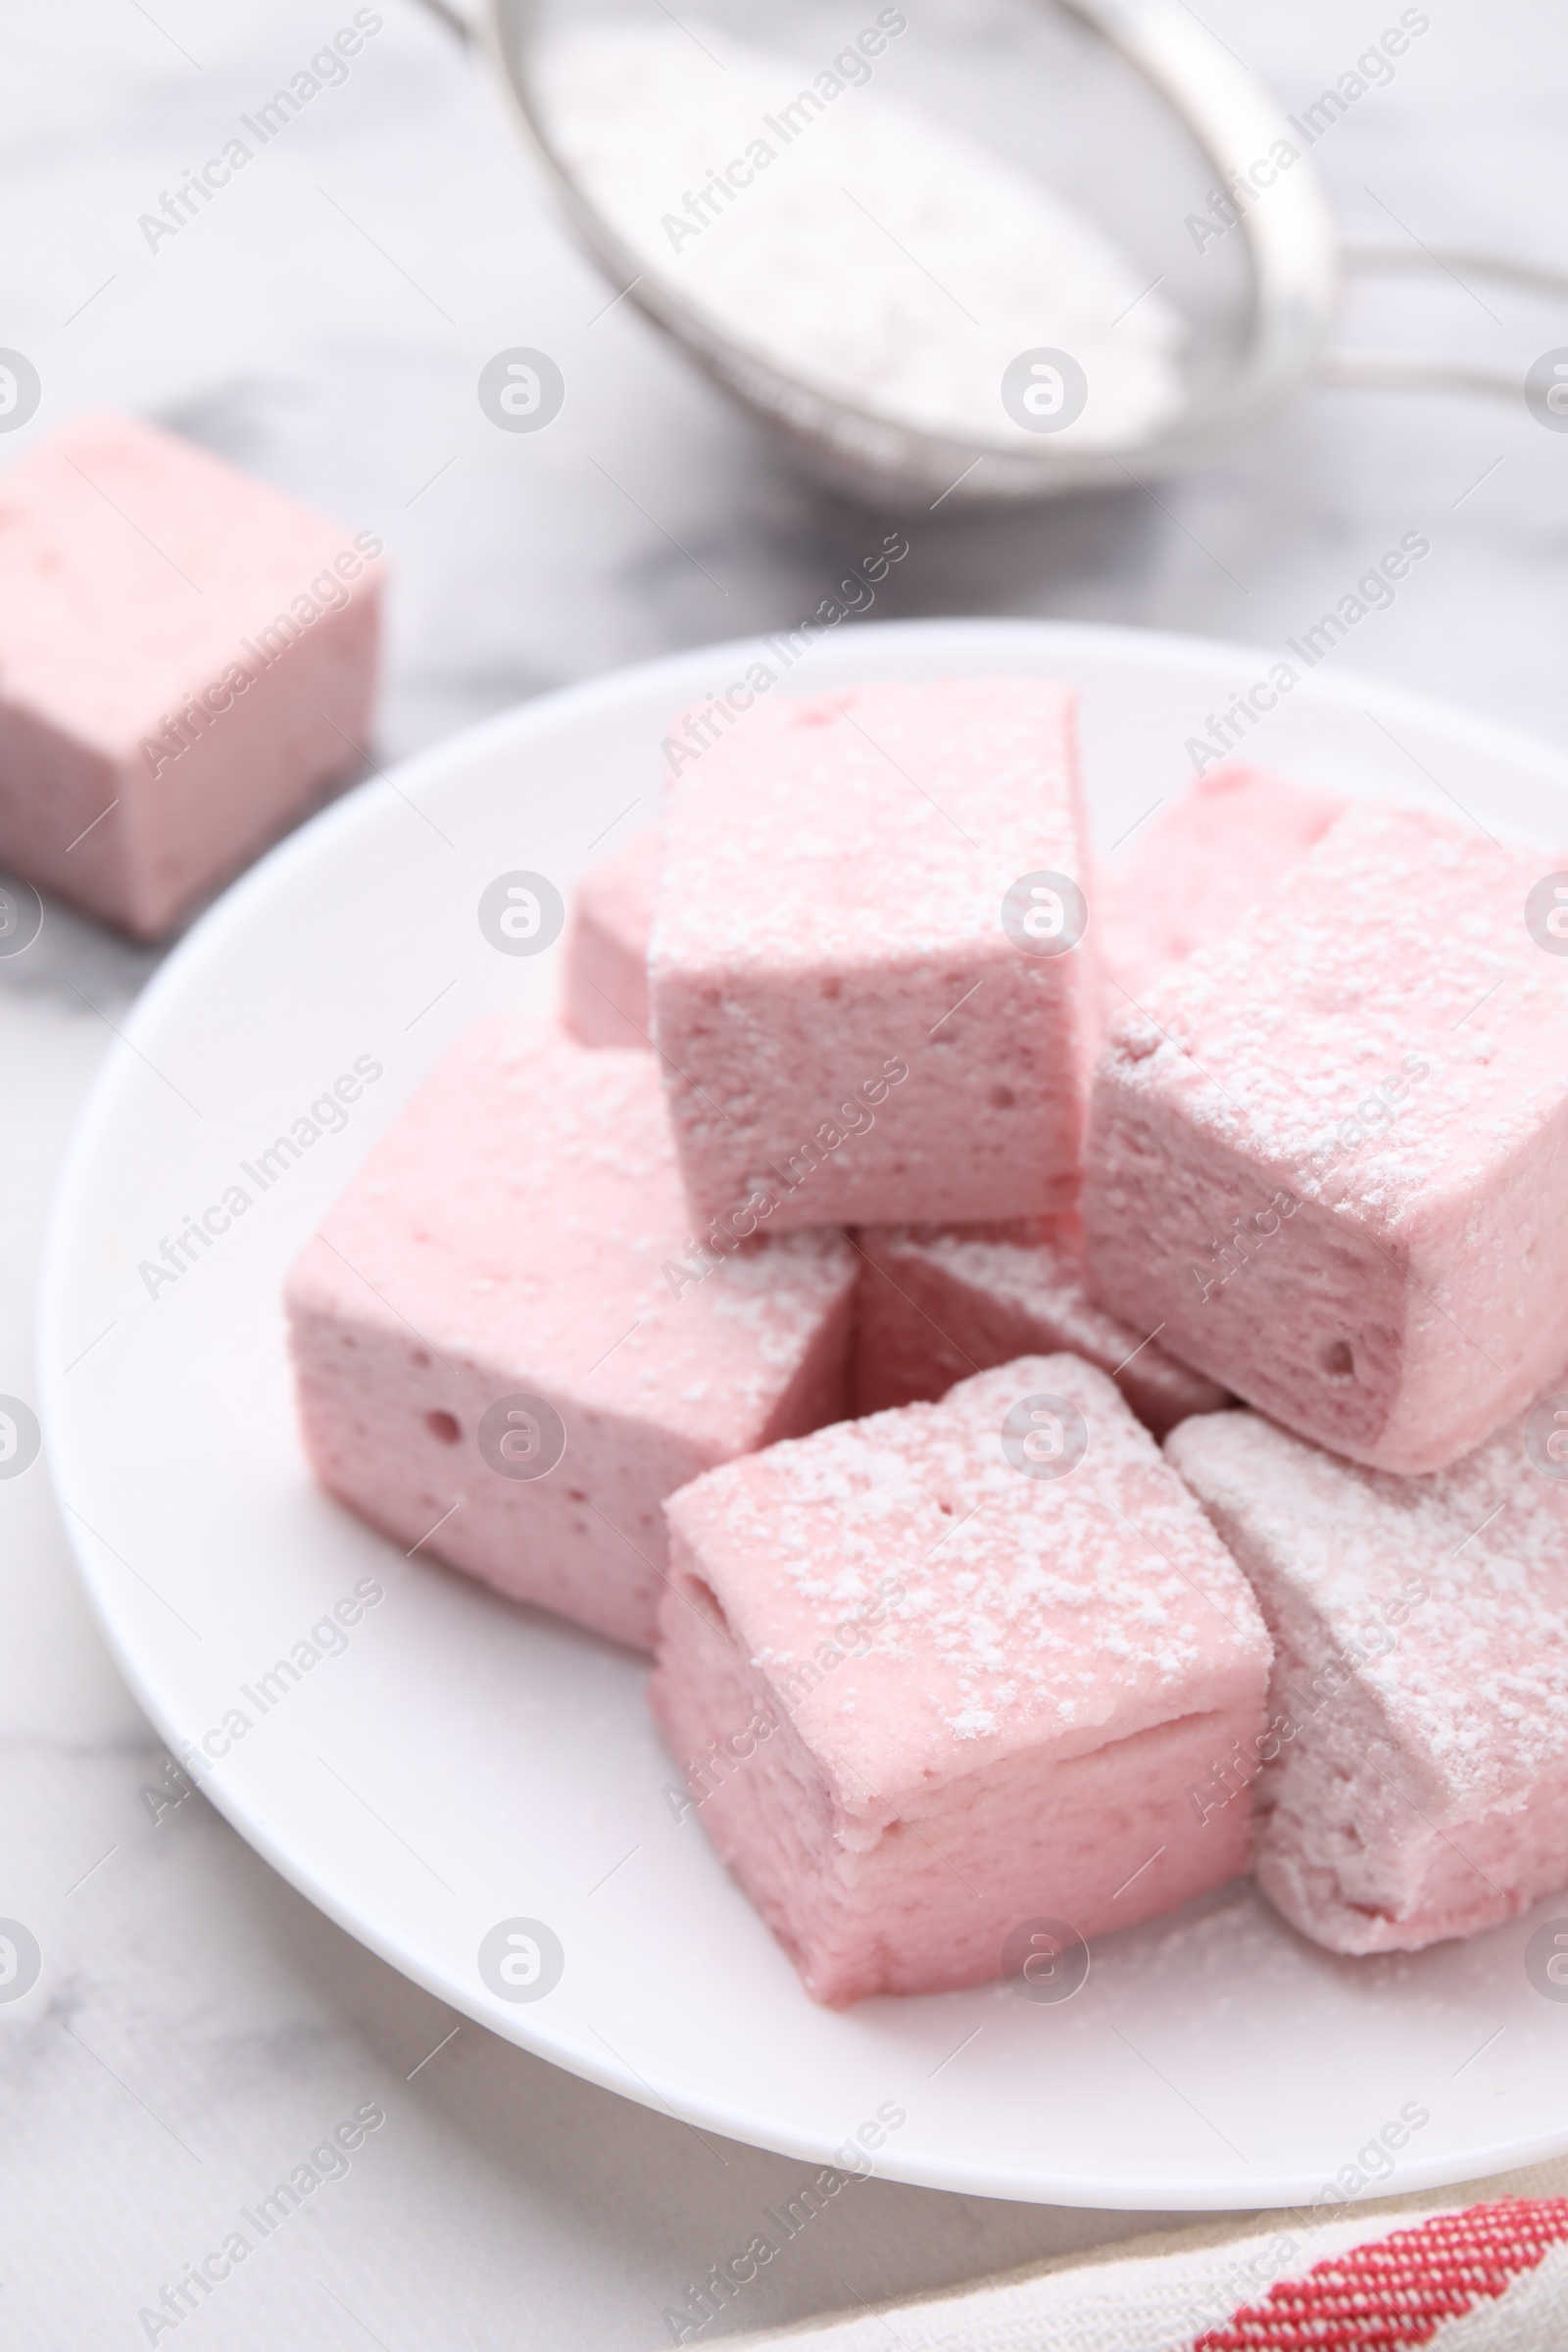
(199, 2027)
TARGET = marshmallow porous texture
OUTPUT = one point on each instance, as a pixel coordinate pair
(1412, 1784)
(509, 1348)
(925, 1687)
(850, 1031)
(1329, 1154)
(938, 1304)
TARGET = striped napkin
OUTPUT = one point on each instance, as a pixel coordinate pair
(1481, 2268)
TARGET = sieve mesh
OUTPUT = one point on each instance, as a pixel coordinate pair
(1028, 87)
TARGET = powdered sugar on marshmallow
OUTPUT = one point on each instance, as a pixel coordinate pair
(1054, 1608)
(1418, 1787)
(521, 1231)
(1331, 1153)
(848, 1030)
(889, 1627)
(937, 1302)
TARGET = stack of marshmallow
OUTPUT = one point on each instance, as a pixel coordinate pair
(808, 1308)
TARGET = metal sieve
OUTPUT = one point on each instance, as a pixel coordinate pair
(1132, 111)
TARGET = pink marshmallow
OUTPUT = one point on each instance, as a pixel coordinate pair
(936, 1304)
(512, 1267)
(1413, 1782)
(186, 657)
(1191, 877)
(605, 996)
(925, 1699)
(1194, 870)
(1332, 1157)
(849, 1032)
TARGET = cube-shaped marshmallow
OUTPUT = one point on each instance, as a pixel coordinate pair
(186, 657)
(1413, 1779)
(507, 1350)
(867, 980)
(941, 1677)
(939, 1302)
(1331, 1158)
(1194, 870)
(604, 989)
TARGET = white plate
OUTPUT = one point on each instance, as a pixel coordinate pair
(465, 1761)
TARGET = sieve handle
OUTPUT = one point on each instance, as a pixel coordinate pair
(1403, 371)
(1395, 260)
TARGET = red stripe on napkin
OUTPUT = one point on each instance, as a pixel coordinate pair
(1398, 2292)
